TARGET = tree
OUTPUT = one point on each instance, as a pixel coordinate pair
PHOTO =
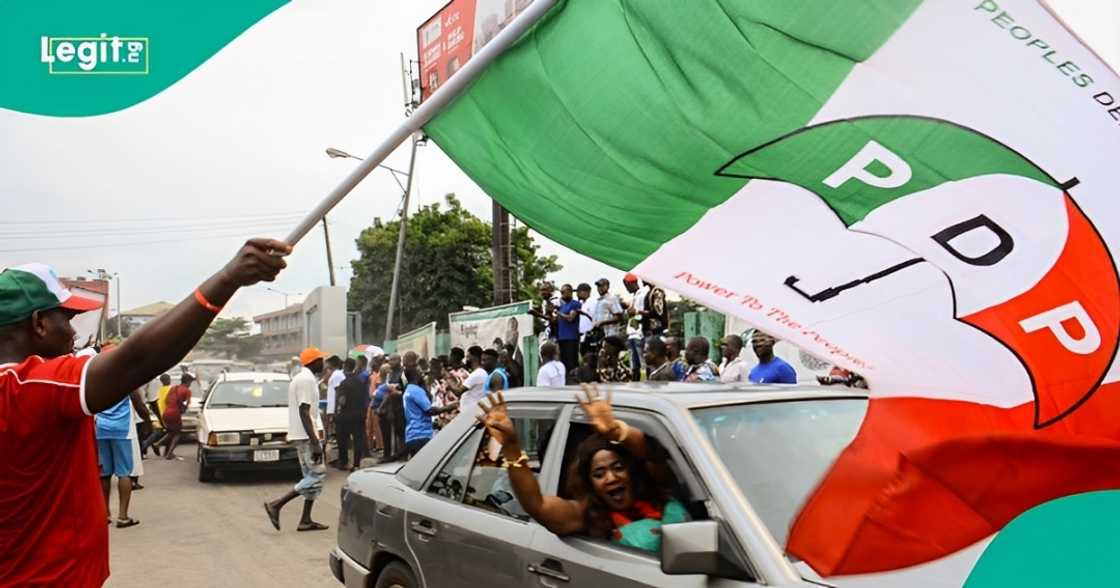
(447, 265)
(227, 336)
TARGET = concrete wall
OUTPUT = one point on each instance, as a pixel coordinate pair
(324, 316)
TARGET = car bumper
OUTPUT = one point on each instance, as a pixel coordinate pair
(242, 456)
(351, 573)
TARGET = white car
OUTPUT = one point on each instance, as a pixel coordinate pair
(244, 424)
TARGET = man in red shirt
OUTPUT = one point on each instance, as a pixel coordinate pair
(52, 516)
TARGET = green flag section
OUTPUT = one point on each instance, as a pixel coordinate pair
(608, 104)
(1066, 542)
(894, 157)
(79, 58)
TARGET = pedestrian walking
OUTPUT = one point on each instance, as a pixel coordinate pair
(178, 400)
(157, 396)
(52, 518)
(304, 431)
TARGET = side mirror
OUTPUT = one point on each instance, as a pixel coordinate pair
(690, 548)
(694, 548)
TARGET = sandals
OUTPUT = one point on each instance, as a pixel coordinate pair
(126, 523)
(273, 516)
(312, 526)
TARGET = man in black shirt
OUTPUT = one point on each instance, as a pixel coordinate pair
(350, 416)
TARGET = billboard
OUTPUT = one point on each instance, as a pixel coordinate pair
(421, 340)
(508, 322)
(448, 39)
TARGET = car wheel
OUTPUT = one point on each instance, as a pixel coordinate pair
(205, 473)
(396, 575)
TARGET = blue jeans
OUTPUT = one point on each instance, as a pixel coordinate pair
(635, 347)
(313, 473)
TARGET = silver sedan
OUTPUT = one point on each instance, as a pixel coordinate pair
(744, 459)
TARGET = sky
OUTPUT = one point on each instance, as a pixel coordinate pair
(164, 192)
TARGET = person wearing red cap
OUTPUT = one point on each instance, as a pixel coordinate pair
(52, 515)
(303, 431)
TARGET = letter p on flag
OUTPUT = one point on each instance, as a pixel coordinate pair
(1055, 318)
(899, 171)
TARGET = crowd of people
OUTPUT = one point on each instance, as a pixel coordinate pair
(625, 338)
(389, 406)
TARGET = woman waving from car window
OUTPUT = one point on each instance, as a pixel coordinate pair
(612, 479)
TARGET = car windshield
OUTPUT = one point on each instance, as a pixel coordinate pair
(248, 394)
(779, 451)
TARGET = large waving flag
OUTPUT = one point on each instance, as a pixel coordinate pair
(921, 192)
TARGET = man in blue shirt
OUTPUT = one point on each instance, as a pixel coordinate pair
(568, 327)
(418, 413)
(771, 369)
(114, 454)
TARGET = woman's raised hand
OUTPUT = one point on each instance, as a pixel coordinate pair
(496, 420)
(598, 409)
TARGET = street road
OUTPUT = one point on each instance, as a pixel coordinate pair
(217, 534)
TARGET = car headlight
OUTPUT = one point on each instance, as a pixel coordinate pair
(224, 439)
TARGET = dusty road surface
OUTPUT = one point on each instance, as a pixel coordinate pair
(217, 534)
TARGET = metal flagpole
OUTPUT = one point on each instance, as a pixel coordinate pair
(426, 112)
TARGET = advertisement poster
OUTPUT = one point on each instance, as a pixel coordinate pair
(421, 340)
(483, 327)
(448, 39)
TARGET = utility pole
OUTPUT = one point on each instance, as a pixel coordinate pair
(327, 238)
(119, 310)
(500, 253)
(393, 292)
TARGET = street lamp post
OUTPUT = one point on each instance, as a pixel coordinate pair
(283, 293)
(407, 188)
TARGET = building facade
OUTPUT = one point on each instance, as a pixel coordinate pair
(319, 321)
(282, 332)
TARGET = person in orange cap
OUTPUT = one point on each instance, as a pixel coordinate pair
(303, 432)
(52, 514)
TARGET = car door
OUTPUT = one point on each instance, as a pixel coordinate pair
(556, 562)
(464, 527)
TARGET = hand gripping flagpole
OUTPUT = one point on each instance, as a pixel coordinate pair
(426, 112)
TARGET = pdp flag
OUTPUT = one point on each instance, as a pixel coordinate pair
(920, 192)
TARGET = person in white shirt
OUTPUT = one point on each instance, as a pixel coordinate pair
(634, 323)
(334, 378)
(608, 310)
(583, 293)
(552, 373)
(732, 369)
(473, 386)
(303, 432)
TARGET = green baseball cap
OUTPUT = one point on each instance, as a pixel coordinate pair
(34, 286)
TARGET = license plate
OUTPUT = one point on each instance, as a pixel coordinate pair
(266, 455)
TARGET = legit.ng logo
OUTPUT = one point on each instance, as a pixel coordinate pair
(101, 55)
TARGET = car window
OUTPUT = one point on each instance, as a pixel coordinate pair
(777, 452)
(671, 478)
(474, 476)
(248, 394)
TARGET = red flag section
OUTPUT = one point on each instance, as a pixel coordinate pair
(925, 477)
(1064, 329)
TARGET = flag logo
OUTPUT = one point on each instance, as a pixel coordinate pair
(1051, 298)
